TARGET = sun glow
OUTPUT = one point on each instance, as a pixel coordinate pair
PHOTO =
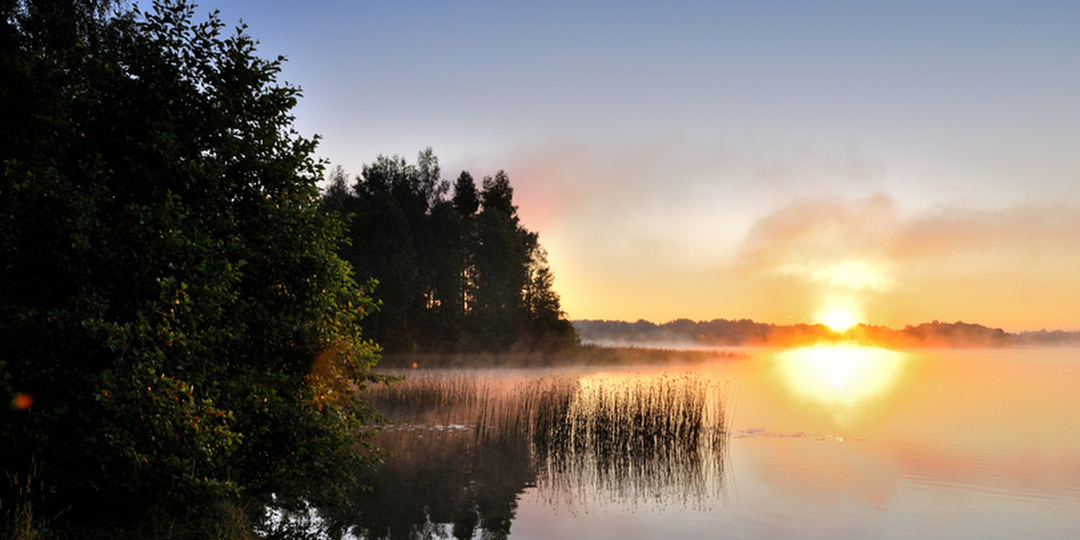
(839, 320)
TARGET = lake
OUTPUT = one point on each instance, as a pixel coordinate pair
(825, 442)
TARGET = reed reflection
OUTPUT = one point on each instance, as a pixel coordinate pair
(462, 449)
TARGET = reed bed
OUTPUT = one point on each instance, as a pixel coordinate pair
(659, 439)
(626, 439)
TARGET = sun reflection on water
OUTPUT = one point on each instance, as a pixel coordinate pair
(840, 377)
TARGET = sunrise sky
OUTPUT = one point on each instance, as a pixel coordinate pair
(767, 160)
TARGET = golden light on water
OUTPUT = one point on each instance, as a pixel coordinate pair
(842, 376)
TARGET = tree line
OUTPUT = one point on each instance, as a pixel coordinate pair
(452, 265)
(745, 332)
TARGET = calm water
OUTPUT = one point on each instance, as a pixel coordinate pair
(811, 443)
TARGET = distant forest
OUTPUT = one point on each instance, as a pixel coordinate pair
(452, 266)
(745, 332)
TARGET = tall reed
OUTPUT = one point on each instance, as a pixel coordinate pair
(627, 439)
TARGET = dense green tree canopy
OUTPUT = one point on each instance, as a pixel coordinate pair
(175, 325)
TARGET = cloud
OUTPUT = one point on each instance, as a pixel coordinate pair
(856, 275)
(836, 243)
(664, 229)
(863, 242)
(1024, 236)
(996, 266)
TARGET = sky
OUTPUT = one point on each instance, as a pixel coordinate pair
(901, 161)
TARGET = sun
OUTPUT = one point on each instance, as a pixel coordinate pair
(839, 320)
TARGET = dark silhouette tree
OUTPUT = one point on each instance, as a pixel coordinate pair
(466, 201)
(388, 211)
(548, 325)
(445, 244)
(502, 258)
(337, 198)
(466, 198)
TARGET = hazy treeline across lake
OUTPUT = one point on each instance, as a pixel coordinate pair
(745, 332)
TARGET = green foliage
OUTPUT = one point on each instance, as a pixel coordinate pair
(171, 302)
(456, 273)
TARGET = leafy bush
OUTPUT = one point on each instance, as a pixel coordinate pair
(175, 326)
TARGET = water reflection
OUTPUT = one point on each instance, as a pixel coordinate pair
(464, 449)
(840, 378)
(825, 444)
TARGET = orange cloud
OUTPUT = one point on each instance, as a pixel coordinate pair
(1012, 267)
